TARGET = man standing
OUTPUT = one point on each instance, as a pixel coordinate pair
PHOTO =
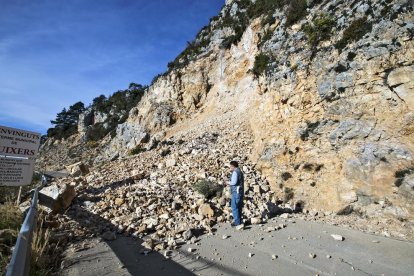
(236, 188)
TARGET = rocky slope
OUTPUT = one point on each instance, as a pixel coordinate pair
(325, 100)
(151, 196)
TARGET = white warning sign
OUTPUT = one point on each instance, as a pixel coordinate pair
(18, 149)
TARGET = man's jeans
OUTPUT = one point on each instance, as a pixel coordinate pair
(237, 204)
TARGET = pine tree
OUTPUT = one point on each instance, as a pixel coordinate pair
(66, 121)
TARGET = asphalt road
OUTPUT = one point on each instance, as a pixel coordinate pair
(302, 248)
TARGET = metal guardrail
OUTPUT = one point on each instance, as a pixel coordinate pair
(20, 261)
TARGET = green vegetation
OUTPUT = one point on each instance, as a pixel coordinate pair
(266, 36)
(261, 62)
(10, 222)
(233, 39)
(319, 29)
(296, 11)
(265, 7)
(238, 23)
(97, 131)
(93, 144)
(192, 50)
(43, 257)
(207, 188)
(66, 122)
(138, 149)
(120, 101)
(288, 194)
(116, 107)
(247, 11)
(354, 32)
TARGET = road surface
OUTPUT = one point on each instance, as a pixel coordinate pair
(301, 248)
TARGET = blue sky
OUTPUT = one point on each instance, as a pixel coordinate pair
(54, 53)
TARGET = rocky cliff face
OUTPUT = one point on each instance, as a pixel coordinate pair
(330, 114)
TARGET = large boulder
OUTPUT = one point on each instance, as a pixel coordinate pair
(78, 169)
(57, 199)
(205, 210)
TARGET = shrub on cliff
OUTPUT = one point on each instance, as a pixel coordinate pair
(355, 31)
(319, 29)
(138, 149)
(296, 11)
(265, 7)
(261, 62)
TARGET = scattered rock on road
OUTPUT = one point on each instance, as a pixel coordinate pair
(337, 237)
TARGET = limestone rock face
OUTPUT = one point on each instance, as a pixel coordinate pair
(129, 136)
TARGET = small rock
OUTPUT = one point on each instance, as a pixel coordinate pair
(190, 249)
(312, 256)
(165, 216)
(285, 215)
(337, 237)
(274, 257)
(170, 163)
(188, 234)
(167, 253)
(251, 255)
(225, 237)
(328, 256)
(119, 201)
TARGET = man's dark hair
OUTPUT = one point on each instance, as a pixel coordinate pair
(234, 163)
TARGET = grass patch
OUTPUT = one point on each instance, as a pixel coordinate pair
(93, 144)
(207, 188)
(43, 257)
(354, 32)
(10, 221)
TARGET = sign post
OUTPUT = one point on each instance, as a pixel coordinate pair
(18, 149)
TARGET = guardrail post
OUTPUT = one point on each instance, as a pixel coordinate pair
(20, 261)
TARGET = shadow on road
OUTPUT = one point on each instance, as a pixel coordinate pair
(100, 259)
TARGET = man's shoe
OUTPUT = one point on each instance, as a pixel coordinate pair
(240, 227)
(232, 224)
